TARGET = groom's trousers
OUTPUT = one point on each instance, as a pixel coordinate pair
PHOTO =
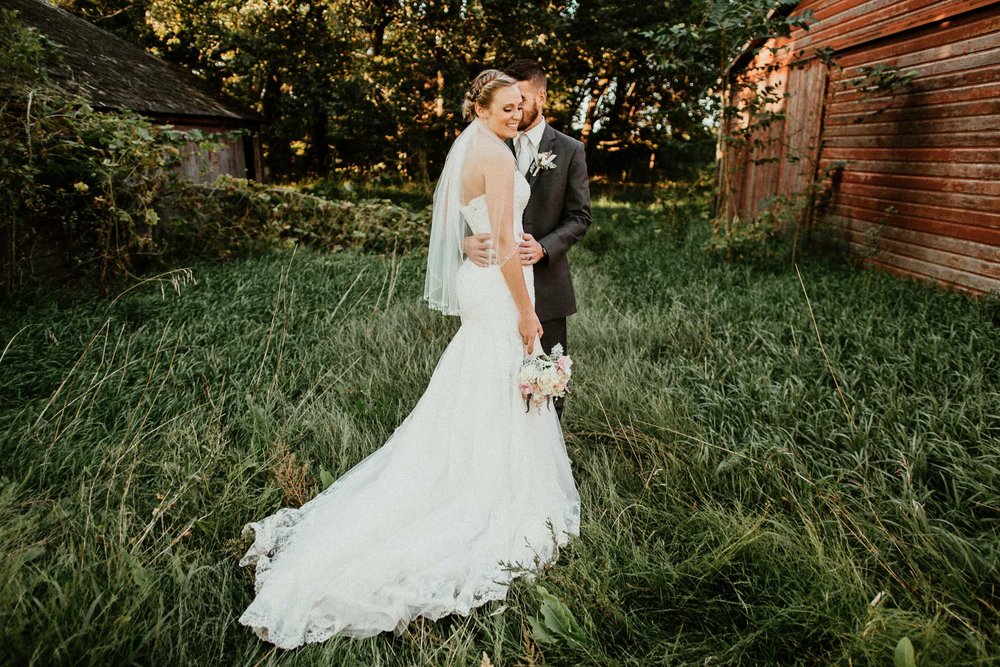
(554, 331)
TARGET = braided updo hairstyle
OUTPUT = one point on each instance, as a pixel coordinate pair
(482, 90)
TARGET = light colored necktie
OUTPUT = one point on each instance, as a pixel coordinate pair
(523, 153)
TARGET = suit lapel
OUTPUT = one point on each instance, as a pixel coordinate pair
(545, 145)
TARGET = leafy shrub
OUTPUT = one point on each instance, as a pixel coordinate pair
(760, 237)
(71, 178)
(685, 202)
(99, 194)
(232, 216)
(352, 185)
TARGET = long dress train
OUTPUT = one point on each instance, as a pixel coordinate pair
(468, 492)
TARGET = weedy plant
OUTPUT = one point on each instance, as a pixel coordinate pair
(98, 195)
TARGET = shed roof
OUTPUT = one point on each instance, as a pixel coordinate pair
(112, 73)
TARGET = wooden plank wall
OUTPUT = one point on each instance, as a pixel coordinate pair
(750, 172)
(801, 127)
(918, 193)
(203, 166)
(842, 24)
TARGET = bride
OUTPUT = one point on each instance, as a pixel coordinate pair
(470, 490)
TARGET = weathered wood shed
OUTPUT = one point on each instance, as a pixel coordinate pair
(883, 121)
(114, 74)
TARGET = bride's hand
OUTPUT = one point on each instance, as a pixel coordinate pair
(529, 328)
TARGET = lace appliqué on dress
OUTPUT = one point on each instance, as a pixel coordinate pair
(468, 493)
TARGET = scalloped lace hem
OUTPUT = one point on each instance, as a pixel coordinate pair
(401, 601)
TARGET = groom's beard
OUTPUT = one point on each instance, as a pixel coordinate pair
(527, 120)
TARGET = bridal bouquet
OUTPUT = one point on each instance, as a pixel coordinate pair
(544, 377)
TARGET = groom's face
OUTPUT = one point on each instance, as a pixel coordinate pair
(532, 103)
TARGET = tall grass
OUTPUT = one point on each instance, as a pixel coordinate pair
(751, 495)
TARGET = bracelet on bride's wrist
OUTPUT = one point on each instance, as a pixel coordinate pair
(508, 257)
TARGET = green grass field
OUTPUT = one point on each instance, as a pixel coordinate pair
(772, 471)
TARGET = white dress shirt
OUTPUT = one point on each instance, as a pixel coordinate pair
(526, 147)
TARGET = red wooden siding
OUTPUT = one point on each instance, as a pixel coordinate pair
(783, 162)
(930, 211)
(846, 23)
(919, 190)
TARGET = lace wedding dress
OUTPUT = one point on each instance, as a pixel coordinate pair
(469, 492)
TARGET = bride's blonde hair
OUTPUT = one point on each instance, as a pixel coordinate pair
(482, 90)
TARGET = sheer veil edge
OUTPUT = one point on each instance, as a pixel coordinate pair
(448, 228)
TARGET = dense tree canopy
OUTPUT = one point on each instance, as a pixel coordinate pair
(375, 85)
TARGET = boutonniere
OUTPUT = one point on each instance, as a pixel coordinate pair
(546, 160)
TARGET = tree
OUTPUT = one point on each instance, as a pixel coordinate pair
(375, 86)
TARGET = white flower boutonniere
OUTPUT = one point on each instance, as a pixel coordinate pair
(546, 160)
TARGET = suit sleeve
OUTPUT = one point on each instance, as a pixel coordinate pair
(576, 211)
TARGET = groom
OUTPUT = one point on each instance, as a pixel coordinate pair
(558, 212)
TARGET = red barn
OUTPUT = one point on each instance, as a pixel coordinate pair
(882, 119)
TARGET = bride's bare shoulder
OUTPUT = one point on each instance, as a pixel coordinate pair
(496, 155)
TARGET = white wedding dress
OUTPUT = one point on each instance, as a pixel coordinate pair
(470, 491)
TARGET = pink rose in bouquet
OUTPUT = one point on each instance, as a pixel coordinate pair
(544, 377)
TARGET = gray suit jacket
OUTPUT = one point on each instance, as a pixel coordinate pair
(557, 215)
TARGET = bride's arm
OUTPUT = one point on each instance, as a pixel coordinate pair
(499, 175)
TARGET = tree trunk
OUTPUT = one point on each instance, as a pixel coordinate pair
(8, 244)
(319, 148)
(596, 92)
(382, 22)
(278, 154)
(439, 102)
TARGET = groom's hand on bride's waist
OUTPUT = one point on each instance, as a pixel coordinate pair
(477, 248)
(531, 251)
